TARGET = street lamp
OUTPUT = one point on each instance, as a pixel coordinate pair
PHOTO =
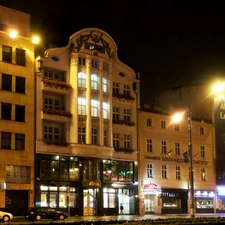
(176, 118)
(191, 171)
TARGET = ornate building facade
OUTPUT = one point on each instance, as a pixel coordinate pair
(86, 146)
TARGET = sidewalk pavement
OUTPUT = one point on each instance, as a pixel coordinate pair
(144, 217)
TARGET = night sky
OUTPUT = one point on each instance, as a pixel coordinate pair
(170, 43)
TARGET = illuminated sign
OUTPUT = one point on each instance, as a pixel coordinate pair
(152, 189)
(221, 191)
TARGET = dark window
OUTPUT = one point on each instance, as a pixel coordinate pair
(20, 57)
(6, 140)
(20, 85)
(6, 82)
(7, 54)
(20, 141)
(20, 113)
(6, 111)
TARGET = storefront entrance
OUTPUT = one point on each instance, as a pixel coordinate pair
(16, 202)
(89, 202)
(125, 200)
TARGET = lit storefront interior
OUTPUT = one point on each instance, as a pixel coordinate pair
(204, 201)
(151, 193)
(103, 185)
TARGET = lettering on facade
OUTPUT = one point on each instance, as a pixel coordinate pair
(177, 160)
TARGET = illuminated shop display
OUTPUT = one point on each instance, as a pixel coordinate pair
(204, 199)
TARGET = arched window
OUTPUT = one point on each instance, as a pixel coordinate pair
(94, 82)
(81, 106)
(81, 80)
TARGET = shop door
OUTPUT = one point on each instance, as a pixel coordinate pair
(16, 202)
(88, 203)
(124, 199)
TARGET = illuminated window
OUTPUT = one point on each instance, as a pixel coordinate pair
(94, 108)
(109, 198)
(81, 80)
(81, 106)
(104, 85)
(203, 174)
(105, 110)
(94, 82)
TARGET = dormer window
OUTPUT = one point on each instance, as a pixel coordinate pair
(92, 46)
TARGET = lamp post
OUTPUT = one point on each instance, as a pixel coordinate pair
(176, 118)
(191, 171)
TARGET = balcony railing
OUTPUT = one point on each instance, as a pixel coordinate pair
(56, 84)
(56, 142)
(126, 97)
(57, 112)
(125, 150)
(124, 122)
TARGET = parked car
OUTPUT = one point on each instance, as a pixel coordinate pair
(5, 216)
(45, 213)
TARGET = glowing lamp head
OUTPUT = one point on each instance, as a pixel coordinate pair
(177, 117)
(35, 40)
(13, 34)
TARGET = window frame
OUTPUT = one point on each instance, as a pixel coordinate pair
(149, 170)
(6, 55)
(20, 57)
(6, 79)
